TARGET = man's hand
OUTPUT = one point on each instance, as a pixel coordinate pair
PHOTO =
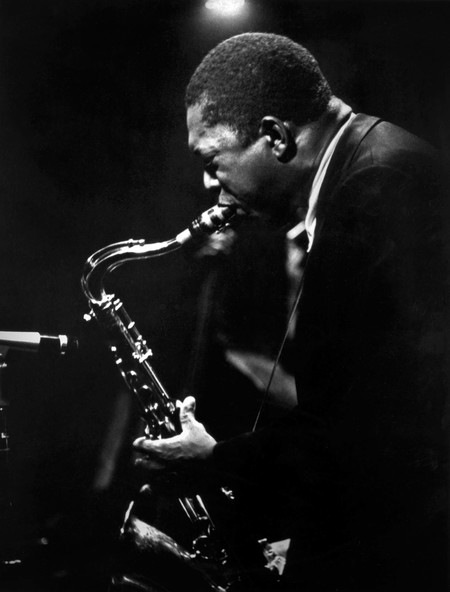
(194, 443)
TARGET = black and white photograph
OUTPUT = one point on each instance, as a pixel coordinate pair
(224, 303)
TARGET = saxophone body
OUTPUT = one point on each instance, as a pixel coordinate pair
(148, 559)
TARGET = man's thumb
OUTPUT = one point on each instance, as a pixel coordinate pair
(187, 410)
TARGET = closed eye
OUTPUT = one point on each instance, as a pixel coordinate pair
(209, 165)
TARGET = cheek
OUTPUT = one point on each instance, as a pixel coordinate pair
(262, 181)
(248, 179)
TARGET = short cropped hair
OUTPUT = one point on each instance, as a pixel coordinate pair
(251, 75)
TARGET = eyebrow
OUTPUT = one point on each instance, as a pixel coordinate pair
(206, 154)
(197, 147)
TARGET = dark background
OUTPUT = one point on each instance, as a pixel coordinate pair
(93, 150)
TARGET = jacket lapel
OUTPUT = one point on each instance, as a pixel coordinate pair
(341, 160)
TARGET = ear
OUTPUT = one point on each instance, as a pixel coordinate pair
(280, 137)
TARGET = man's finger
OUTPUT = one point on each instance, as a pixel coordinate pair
(148, 446)
(141, 444)
(144, 462)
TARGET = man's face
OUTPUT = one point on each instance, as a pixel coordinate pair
(248, 177)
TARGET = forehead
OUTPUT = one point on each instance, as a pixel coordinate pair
(204, 138)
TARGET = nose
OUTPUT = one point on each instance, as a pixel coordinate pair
(216, 190)
(210, 182)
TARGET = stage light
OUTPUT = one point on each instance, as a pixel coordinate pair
(225, 7)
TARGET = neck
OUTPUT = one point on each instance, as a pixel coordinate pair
(328, 125)
(313, 140)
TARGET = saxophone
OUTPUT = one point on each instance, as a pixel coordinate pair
(208, 566)
(127, 345)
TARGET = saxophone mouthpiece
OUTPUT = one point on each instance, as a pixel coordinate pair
(208, 222)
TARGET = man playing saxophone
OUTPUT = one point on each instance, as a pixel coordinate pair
(361, 458)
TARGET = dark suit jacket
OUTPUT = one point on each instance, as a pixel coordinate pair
(361, 460)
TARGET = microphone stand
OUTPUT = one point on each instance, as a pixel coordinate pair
(8, 559)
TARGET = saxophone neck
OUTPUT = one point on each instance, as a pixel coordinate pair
(112, 256)
(108, 258)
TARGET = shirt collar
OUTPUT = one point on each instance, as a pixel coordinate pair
(309, 222)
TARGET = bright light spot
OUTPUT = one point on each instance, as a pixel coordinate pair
(225, 6)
